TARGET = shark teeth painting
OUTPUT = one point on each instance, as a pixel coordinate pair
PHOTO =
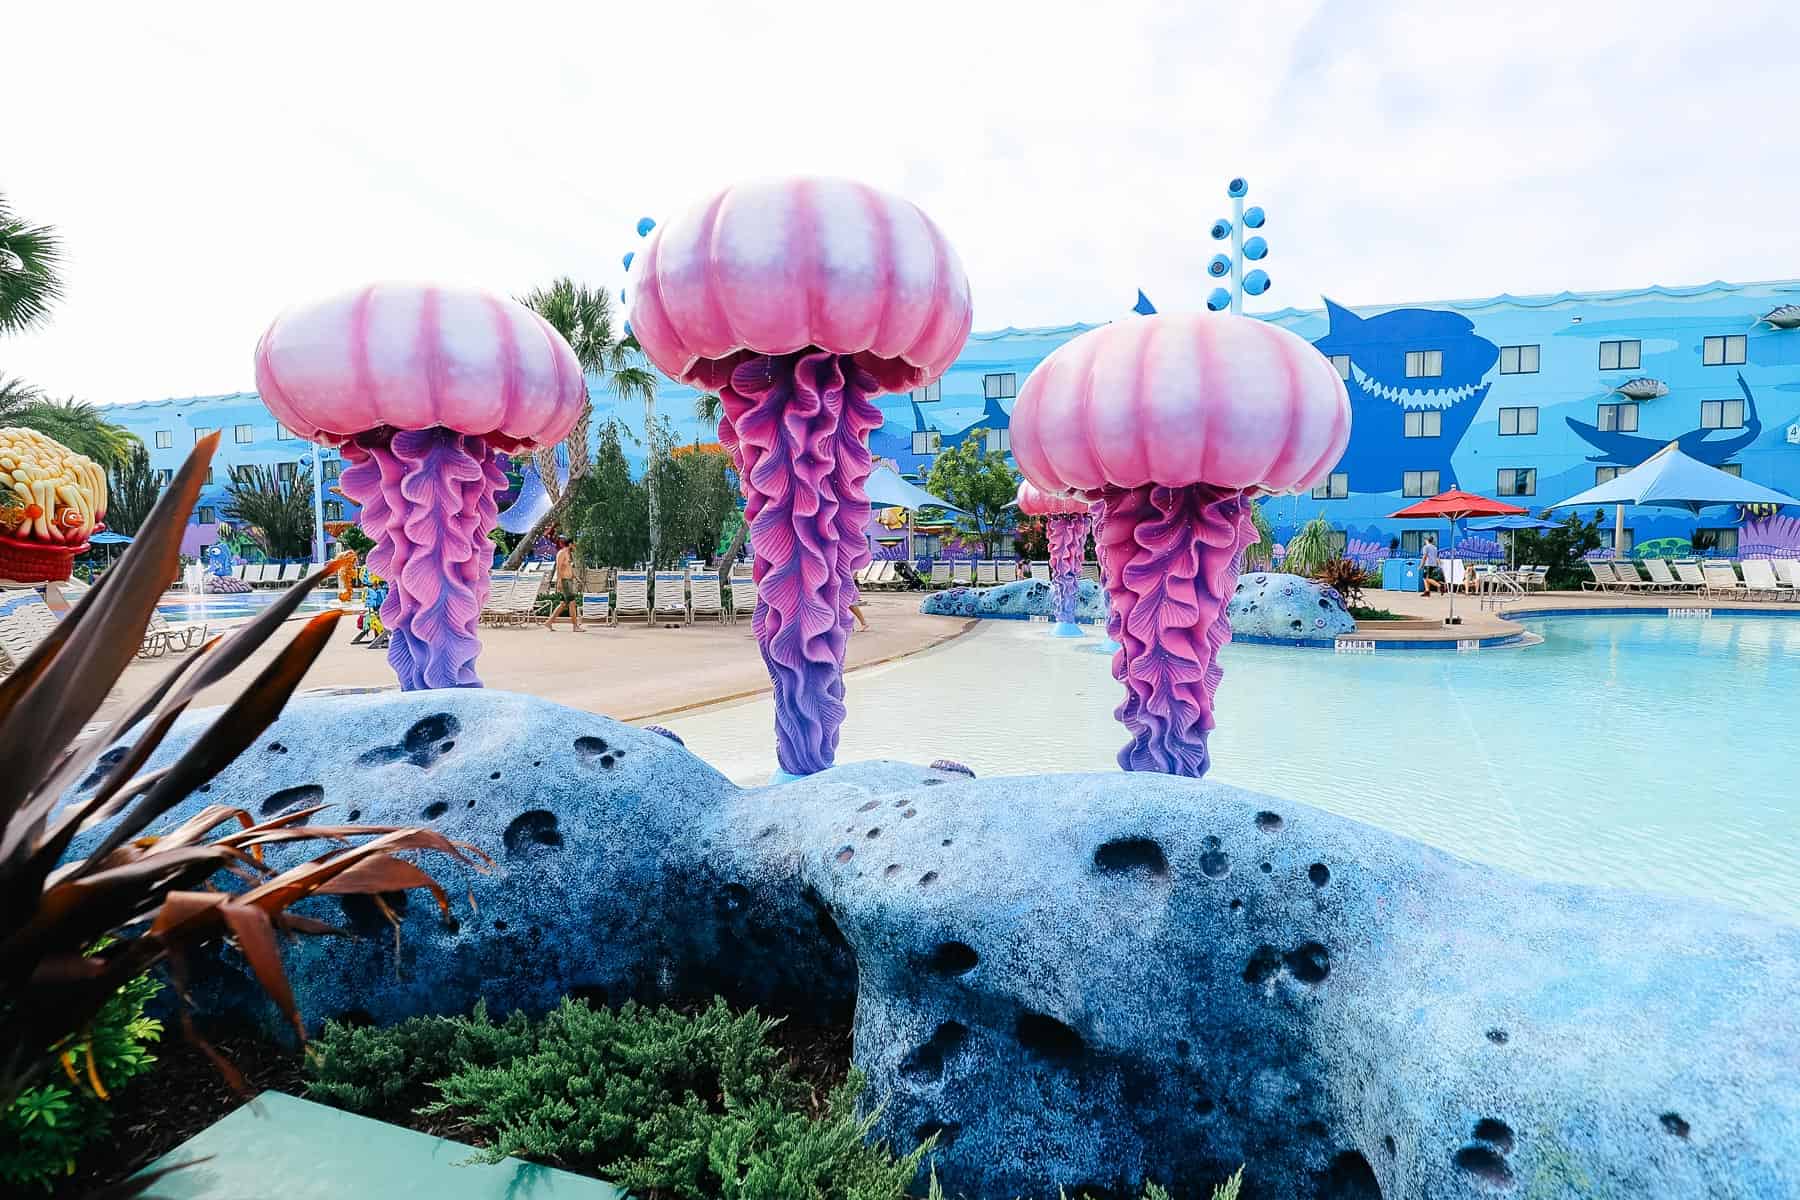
(1412, 397)
(1401, 362)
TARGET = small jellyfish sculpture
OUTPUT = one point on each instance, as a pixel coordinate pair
(799, 301)
(422, 387)
(1176, 422)
(1066, 525)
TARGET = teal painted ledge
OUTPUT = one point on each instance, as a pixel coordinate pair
(278, 1146)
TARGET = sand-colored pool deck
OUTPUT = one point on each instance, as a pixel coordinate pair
(641, 674)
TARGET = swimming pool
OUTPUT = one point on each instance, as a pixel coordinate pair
(225, 610)
(1649, 752)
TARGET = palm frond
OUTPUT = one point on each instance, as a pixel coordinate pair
(30, 264)
(78, 425)
(277, 511)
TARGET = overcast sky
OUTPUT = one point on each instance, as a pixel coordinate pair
(209, 165)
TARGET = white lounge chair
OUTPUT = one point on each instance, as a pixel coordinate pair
(596, 607)
(704, 597)
(1691, 576)
(671, 599)
(1760, 579)
(178, 637)
(25, 620)
(1788, 571)
(293, 573)
(743, 597)
(1041, 570)
(1603, 578)
(253, 573)
(1661, 578)
(631, 597)
(500, 587)
(1625, 574)
(861, 577)
(1090, 571)
(940, 573)
(986, 573)
(238, 569)
(1721, 580)
(962, 574)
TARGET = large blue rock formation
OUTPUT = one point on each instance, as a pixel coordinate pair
(1021, 599)
(1286, 608)
(1084, 981)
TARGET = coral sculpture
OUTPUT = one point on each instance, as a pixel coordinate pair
(421, 386)
(1176, 423)
(1066, 520)
(52, 500)
(798, 301)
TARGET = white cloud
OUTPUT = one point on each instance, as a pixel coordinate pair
(207, 170)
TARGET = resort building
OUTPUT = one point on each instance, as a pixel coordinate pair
(1527, 398)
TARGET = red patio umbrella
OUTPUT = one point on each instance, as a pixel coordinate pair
(1455, 505)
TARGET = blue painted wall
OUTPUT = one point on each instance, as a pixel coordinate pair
(1468, 450)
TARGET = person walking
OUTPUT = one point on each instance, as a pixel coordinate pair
(564, 595)
(1431, 575)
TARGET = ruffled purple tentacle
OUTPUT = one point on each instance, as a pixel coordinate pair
(1068, 538)
(1171, 558)
(798, 427)
(428, 496)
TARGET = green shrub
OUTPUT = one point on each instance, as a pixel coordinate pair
(44, 1129)
(697, 1106)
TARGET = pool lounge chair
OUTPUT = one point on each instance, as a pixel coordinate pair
(705, 600)
(1691, 576)
(1663, 579)
(743, 597)
(671, 608)
(25, 620)
(1090, 571)
(253, 573)
(292, 573)
(1760, 580)
(175, 637)
(1721, 580)
(987, 573)
(238, 569)
(596, 608)
(1603, 578)
(500, 588)
(1041, 570)
(962, 574)
(631, 597)
(940, 574)
(1788, 571)
(1625, 574)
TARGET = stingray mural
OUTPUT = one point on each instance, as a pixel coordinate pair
(1382, 393)
(1630, 449)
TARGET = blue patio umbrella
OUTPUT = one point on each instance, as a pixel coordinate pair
(107, 537)
(1503, 524)
(1671, 479)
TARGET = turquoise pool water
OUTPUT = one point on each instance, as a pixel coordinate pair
(1646, 752)
(225, 610)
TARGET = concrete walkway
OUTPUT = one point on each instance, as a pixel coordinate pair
(630, 673)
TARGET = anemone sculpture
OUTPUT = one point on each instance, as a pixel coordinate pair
(1066, 525)
(1176, 422)
(51, 501)
(422, 386)
(798, 301)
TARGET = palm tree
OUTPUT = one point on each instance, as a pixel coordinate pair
(131, 493)
(75, 423)
(277, 512)
(30, 256)
(584, 317)
(708, 408)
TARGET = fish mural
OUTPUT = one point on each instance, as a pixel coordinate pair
(1381, 393)
(1630, 449)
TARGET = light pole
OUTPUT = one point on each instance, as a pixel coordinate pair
(652, 508)
(1252, 249)
(318, 475)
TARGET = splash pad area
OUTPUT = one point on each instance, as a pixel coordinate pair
(1617, 752)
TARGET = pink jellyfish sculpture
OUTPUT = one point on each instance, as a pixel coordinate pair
(799, 301)
(422, 387)
(1066, 520)
(1176, 422)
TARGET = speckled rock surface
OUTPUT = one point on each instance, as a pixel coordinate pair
(1084, 981)
(1286, 607)
(1020, 599)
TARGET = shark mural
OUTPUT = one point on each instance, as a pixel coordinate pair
(894, 439)
(1381, 392)
(1630, 449)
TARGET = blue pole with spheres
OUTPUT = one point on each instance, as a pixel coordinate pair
(1254, 282)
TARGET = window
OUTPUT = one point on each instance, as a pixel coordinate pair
(1341, 362)
(1607, 474)
(1617, 418)
(209, 476)
(1337, 487)
(1518, 360)
(1726, 351)
(1619, 356)
(200, 435)
(999, 439)
(1412, 541)
(1516, 481)
(334, 510)
(242, 434)
(1000, 387)
(1721, 414)
(1720, 542)
(1424, 422)
(287, 471)
(164, 439)
(331, 469)
(1424, 364)
(283, 433)
(1518, 422)
(1735, 470)
(927, 441)
(163, 477)
(206, 514)
(1419, 483)
(1628, 536)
